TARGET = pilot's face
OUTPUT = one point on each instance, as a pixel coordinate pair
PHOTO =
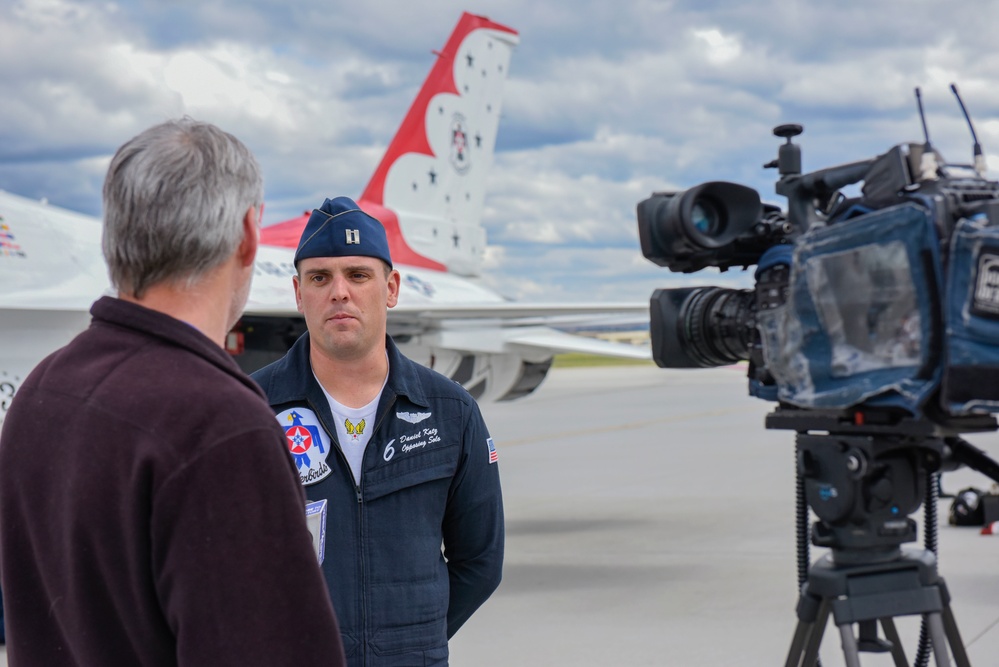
(345, 301)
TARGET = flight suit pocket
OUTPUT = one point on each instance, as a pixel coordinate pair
(419, 469)
(414, 455)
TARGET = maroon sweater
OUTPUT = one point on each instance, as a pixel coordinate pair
(149, 511)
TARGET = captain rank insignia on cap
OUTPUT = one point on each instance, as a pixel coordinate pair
(339, 228)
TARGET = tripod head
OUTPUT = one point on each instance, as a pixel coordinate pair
(866, 472)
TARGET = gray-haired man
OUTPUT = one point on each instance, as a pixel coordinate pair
(149, 512)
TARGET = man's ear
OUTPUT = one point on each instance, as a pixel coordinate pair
(247, 250)
(394, 280)
(297, 284)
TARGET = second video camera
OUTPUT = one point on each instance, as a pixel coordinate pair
(887, 299)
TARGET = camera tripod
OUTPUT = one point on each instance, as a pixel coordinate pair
(868, 593)
(862, 479)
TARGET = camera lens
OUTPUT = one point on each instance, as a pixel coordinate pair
(712, 224)
(716, 325)
(705, 217)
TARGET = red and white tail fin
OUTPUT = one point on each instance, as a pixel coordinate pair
(429, 188)
(433, 176)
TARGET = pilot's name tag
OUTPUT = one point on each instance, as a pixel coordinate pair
(315, 517)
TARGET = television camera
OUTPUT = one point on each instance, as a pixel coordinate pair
(874, 324)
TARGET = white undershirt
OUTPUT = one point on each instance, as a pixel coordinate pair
(353, 427)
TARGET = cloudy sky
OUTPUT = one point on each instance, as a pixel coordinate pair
(606, 103)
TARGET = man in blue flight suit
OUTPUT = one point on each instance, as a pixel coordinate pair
(399, 453)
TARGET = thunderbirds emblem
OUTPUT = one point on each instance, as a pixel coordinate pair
(459, 144)
(307, 442)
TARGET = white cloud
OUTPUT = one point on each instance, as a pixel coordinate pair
(722, 49)
(606, 103)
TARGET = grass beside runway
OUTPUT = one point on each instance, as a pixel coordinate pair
(577, 360)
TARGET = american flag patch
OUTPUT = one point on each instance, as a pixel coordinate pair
(493, 456)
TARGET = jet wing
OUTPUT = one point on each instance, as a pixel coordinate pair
(524, 313)
(523, 327)
(561, 342)
(463, 314)
(50, 258)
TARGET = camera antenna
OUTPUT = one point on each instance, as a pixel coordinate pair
(979, 156)
(928, 166)
(922, 119)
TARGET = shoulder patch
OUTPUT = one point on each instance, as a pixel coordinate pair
(308, 443)
(493, 454)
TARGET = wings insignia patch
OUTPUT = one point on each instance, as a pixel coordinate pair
(413, 417)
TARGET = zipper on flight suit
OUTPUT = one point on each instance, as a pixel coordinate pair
(345, 465)
(360, 515)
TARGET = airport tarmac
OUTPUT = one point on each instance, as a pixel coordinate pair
(650, 521)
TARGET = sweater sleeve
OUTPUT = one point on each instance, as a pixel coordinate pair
(236, 573)
(473, 525)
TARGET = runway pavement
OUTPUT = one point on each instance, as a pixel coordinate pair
(650, 522)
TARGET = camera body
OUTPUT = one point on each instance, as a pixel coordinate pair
(886, 300)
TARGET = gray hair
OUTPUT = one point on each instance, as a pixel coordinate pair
(174, 201)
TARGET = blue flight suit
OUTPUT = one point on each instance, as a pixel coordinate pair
(429, 478)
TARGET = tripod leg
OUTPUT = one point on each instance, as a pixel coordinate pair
(811, 657)
(850, 653)
(891, 634)
(813, 612)
(939, 639)
(801, 634)
(954, 637)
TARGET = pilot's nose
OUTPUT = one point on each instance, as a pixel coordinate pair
(339, 289)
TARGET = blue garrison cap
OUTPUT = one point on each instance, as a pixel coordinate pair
(339, 228)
